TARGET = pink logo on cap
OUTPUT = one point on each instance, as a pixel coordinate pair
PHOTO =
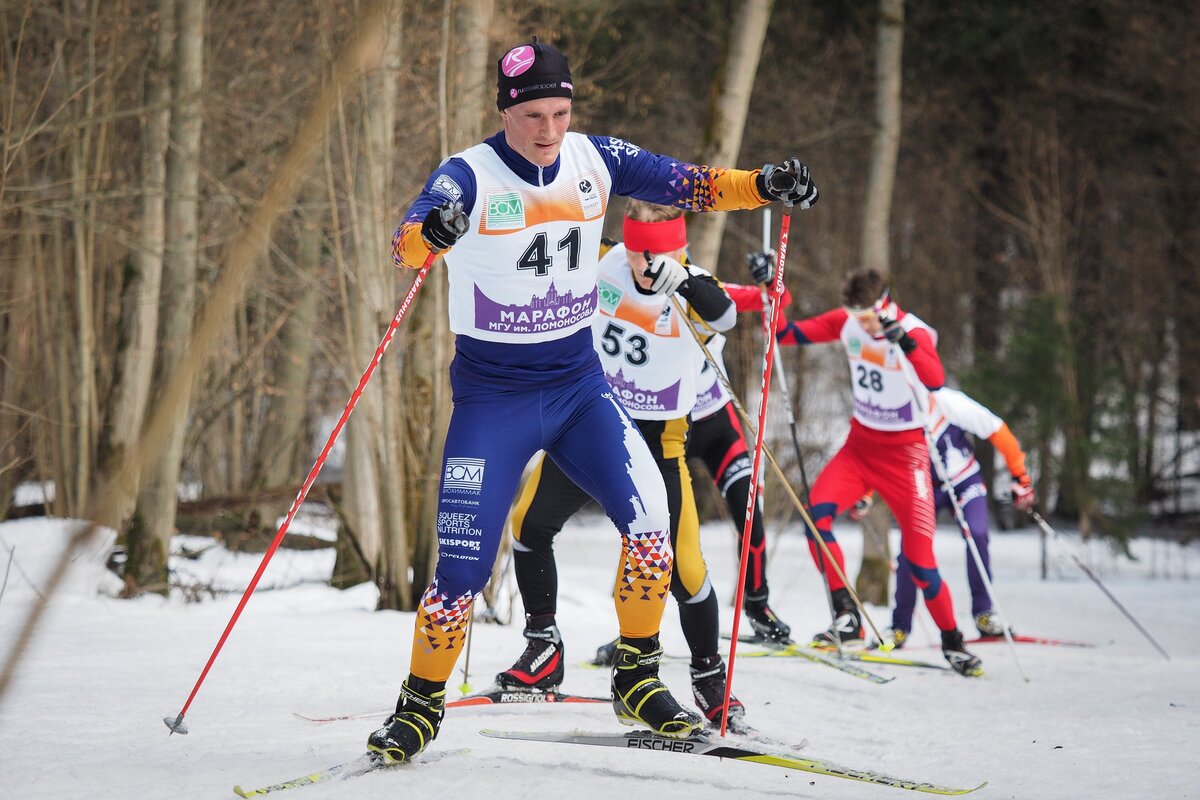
(517, 60)
(513, 93)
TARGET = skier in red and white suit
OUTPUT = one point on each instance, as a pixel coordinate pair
(885, 449)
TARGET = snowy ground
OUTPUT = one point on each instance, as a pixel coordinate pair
(83, 718)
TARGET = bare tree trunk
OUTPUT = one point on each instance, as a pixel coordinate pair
(157, 497)
(727, 116)
(19, 359)
(471, 102)
(464, 103)
(282, 435)
(873, 574)
(393, 570)
(374, 492)
(881, 179)
(139, 306)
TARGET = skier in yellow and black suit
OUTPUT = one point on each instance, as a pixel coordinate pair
(651, 362)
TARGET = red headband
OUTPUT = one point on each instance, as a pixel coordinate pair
(657, 237)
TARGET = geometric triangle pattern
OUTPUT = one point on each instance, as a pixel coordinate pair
(645, 575)
(440, 632)
(694, 187)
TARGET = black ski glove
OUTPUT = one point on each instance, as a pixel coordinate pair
(894, 332)
(762, 266)
(788, 182)
(444, 225)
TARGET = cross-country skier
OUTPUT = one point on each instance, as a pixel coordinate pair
(651, 361)
(952, 416)
(885, 450)
(518, 219)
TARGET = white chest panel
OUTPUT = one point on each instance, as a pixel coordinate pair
(649, 356)
(526, 271)
(883, 398)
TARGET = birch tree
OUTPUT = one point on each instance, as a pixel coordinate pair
(872, 581)
(727, 116)
(134, 361)
(150, 534)
(464, 103)
(374, 487)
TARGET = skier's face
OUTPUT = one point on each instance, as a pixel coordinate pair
(535, 128)
(869, 321)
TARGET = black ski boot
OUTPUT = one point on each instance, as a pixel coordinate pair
(847, 626)
(640, 698)
(414, 725)
(955, 651)
(768, 627)
(708, 689)
(540, 667)
(606, 654)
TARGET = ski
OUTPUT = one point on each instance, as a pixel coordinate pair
(492, 697)
(707, 745)
(878, 658)
(820, 656)
(361, 715)
(507, 697)
(365, 763)
(1030, 640)
(740, 731)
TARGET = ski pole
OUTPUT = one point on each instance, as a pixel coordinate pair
(465, 686)
(920, 398)
(783, 479)
(752, 494)
(177, 724)
(769, 333)
(1051, 533)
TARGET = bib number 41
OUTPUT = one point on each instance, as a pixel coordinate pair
(537, 256)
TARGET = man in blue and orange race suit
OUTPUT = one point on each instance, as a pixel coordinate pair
(519, 219)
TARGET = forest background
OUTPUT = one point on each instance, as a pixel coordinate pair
(197, 199)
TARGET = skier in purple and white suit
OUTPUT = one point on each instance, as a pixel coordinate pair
(518, 219)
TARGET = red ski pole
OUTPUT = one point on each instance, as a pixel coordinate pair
(176, 724)
(768, 357)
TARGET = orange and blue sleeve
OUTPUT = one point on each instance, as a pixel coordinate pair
(658, 179)
(409, 249)
(452, 181)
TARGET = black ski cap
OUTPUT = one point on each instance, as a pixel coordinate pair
(530, 72)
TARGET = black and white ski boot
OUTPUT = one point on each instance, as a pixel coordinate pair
(768, 627)
(414, 725)
(708, 690)
(847, 627)
(640, 698)
(606, 654)
(956, 654)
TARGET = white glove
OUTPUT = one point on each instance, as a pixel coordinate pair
(668, 275)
